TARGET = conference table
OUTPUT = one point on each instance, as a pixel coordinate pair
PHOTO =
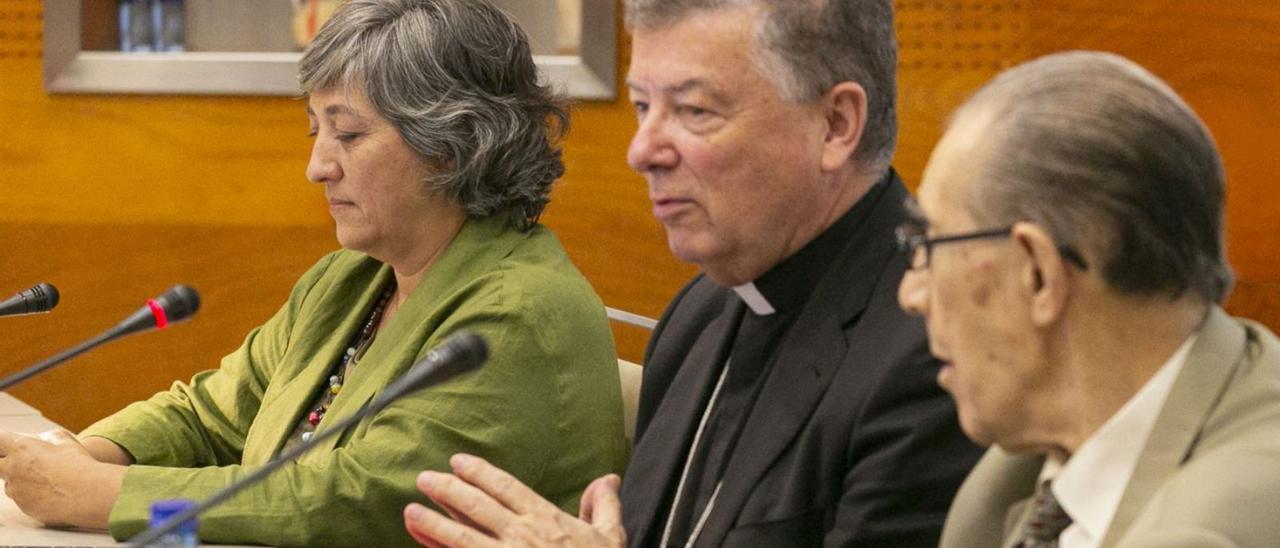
(16, 528)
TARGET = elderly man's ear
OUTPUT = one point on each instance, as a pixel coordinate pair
(846, 112)
(1045, 275)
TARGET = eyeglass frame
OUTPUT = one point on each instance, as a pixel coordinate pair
(911, 236)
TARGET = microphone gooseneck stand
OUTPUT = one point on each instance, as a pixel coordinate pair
(179, 303)
(461, 353)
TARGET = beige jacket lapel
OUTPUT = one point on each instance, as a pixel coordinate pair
(1214, 360)
(992, 500)
(1018, 516)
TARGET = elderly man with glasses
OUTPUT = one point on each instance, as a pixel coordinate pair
(1067, 257)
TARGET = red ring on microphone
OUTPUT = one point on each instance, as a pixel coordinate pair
(157, 311)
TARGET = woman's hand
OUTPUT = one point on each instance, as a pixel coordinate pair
(491, 508)
(54, 479)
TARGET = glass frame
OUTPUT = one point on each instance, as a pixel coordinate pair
(912, 238)
(591, 74)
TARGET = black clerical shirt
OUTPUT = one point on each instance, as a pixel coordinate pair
(774, 301)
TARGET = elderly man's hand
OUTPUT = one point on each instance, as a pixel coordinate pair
(492, 508)
(54, 479)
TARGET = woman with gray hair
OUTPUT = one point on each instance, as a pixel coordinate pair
(436, 148)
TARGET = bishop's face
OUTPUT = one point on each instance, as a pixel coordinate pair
(733, 168)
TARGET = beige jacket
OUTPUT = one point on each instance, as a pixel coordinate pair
(1208, 476)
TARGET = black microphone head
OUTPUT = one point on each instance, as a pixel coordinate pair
(45, 297)
(41, 298)
(179, 303)
(465, 348)
(459, 354)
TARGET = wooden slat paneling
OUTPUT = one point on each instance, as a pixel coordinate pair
(112, 198)
(105, 272)
(1221, 58)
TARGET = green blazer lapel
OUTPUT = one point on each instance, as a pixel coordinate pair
(384, 360)
(286, 400)
(1215, 358)
(478, 246)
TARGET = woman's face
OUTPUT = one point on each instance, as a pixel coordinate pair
(373, 181)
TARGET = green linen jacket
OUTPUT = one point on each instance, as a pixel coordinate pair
(546, 406)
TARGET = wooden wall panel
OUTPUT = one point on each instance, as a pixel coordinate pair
(106, 271)
(114, 197)
(946, 51)
(1221, 58)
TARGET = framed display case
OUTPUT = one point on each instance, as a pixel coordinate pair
(244, 47)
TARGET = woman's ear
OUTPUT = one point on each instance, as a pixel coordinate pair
(1045, 275)
(845, 108)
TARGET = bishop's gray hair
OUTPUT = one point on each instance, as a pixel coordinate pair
(457, 80)
(805, 47)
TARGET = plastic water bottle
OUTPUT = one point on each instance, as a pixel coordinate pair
(136, 31)
(167, 24)
(182, 537)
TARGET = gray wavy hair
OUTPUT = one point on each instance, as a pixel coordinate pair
(807, 46)
(457, 80)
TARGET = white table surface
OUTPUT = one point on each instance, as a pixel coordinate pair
(16, 528)
(10, 406)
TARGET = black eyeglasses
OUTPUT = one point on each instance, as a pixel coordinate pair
(915, 243)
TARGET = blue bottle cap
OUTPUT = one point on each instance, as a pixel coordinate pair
(162, 510)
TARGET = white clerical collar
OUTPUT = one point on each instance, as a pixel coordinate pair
(1090, 484)
(754, 299)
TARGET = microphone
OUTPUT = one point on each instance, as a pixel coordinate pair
(177, 304)
(458, 354)
(40, 298)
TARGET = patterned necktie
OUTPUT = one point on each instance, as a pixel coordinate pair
(1047, 521)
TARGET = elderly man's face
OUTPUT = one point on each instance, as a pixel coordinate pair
(733, 168)
(974, 303)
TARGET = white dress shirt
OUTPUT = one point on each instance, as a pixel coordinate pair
(1089, 485)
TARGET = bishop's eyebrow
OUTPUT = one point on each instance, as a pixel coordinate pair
(685, 86)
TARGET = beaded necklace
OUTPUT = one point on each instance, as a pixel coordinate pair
(359, 344)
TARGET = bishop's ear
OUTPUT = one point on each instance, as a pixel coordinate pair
(845, 106)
